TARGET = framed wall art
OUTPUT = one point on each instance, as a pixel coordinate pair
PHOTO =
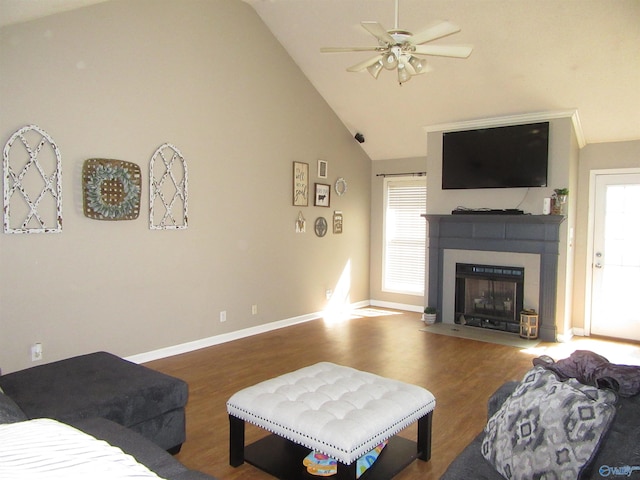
(337, 222)
(322, 168)
(322, 195)
(300, 184)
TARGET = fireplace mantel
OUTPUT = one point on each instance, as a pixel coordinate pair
(537, 234)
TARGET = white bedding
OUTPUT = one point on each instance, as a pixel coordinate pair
(45, 449)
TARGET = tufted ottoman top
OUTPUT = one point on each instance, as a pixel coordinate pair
(339, 411)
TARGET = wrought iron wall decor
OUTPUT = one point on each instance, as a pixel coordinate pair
(111, 189)
(32, 171)
(168, 189)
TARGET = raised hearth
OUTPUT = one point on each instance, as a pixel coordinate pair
(530, 234)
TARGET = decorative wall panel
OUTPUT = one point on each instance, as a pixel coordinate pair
(32, 171)
(168, 189)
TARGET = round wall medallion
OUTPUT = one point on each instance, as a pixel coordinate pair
(321, 226)
(341, 186)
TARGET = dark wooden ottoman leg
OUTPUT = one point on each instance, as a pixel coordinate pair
(236, 441)
(424, 436)
(346, 472)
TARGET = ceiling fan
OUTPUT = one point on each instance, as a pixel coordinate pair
(398, 48)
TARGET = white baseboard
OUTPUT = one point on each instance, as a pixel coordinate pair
(397, 306)
(229, 337)
(572, 332)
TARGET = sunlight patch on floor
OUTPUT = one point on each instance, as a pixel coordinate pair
(333, 317)
(614, 351)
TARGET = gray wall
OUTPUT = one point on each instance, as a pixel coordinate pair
(117, 80)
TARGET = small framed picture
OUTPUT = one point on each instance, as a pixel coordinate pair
(323, 192)
(322, 169)
(300, 184)
(337, 222)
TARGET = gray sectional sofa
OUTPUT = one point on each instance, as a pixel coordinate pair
(138, 410)
(562, 420)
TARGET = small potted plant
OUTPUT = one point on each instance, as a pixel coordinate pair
(559, 200)
(429, 315)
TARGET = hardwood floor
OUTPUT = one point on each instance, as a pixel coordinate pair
(462, 374)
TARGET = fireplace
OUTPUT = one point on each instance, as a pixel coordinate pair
(495, 239)
(489, 296)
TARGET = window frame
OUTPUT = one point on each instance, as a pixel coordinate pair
(388, 284)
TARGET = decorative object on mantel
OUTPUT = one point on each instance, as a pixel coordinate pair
(341, 186)
(301, 223)
(111, 189)
(322, 168)
(32, 183)
(559, 201)
(429, 315)
(320, 226)
(300, 184)
(322, 195)
(168, 183)
(337, 222)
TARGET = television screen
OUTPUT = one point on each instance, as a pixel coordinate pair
(500, 157)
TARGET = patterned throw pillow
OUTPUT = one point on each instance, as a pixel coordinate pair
(547, 428)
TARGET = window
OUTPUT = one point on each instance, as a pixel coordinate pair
(404, 235)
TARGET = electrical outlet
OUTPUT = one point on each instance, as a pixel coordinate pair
(328, 294)
(254, 309)
(223, 316)
(36, 352)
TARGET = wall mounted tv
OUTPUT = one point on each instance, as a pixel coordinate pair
(499, 157)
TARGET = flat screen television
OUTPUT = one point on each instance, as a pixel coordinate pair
(499, 157)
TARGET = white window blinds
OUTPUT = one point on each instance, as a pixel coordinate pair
(404, 232)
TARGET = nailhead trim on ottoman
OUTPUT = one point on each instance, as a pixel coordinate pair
(336, 410)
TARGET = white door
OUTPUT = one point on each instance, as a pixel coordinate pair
(615, 296)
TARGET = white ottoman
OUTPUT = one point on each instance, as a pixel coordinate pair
(333, 409)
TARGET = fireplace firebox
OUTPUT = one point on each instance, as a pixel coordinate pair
(489, 296)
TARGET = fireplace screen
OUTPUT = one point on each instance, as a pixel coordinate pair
(489, 296)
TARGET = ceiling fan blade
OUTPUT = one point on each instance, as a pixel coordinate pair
(378, 31)
(348, 49)
(358, 67)
(437, 31)
(456, 51)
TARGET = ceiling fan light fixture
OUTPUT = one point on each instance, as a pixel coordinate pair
(375, 69)
(390, 61)
(403, 73)
(417, 63)
(396, 49)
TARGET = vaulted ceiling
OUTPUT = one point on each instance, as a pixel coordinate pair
(528, 57)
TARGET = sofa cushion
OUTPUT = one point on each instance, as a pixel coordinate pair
(9, 411)
(548, 428)
(95, 385)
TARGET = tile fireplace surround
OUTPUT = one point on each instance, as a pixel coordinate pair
(533, 234)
